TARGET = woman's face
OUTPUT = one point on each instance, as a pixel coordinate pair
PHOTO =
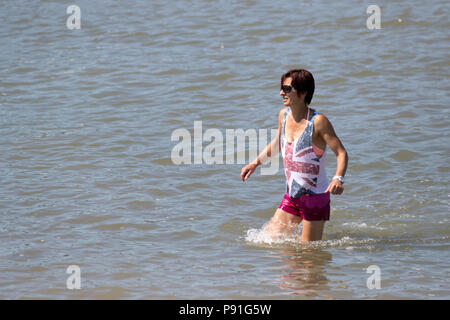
(291, 98)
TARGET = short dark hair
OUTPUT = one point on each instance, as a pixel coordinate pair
(302, 81)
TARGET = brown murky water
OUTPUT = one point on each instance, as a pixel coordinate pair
(85, 148)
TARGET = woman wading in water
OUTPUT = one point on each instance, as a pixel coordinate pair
(303, 134)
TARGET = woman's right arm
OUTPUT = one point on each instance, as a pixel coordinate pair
(272, 149)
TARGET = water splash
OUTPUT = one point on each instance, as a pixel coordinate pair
(265, 237)
(261, 236)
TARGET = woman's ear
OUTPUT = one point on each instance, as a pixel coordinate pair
(302, 94)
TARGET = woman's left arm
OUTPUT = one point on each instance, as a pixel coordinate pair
(326, 131)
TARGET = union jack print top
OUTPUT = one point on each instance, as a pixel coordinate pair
(303, 164)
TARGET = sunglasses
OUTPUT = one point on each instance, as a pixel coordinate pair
(286, 89)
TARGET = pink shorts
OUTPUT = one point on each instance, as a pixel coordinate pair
(311, 207)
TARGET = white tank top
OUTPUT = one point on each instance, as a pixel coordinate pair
(305, 171)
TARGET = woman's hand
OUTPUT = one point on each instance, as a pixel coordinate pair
(335, 187)
(248, 170)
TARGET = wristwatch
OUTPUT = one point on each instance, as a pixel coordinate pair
(340, 178)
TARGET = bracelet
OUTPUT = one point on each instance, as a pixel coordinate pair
(340, 178)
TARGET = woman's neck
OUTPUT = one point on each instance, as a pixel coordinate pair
(299, 112)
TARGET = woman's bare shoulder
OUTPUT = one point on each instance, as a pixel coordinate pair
(281, 114)
(322, 123)
(320, 118)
